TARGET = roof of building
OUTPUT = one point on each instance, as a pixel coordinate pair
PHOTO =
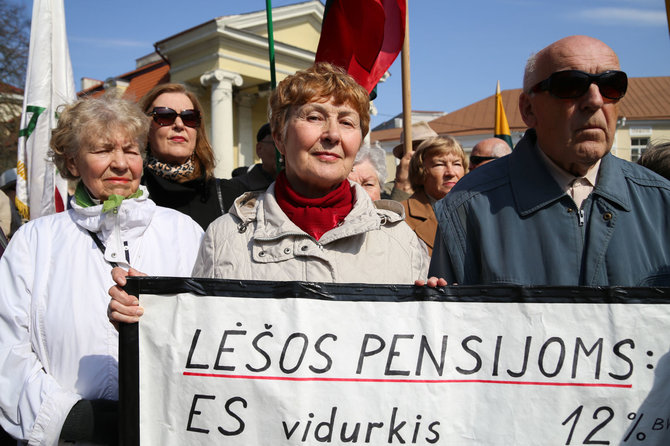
(479, 117)
(140, 81)
(6, 88)
(417, 115)
(648, 98)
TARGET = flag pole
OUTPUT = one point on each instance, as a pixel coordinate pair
(406, 88)
(273, 74)
(40, 190)
(271, 44)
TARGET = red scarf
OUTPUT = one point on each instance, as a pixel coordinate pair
(315, 216)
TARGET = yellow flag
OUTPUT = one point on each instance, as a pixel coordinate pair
(501, 126)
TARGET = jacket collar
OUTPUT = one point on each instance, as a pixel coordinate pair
(419, 206)
(394, 210)
(133, 215)
(612, 182)
(273, 224)
(533, 186)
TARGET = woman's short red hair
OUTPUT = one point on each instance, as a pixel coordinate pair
(321, 81)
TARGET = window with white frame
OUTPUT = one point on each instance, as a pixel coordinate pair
(637, 148)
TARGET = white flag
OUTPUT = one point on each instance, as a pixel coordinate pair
(40, 190)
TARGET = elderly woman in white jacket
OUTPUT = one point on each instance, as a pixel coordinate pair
(312, 224)
(58, 352)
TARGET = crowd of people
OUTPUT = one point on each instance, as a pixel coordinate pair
(557, 210)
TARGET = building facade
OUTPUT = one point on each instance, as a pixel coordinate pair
(225, 62)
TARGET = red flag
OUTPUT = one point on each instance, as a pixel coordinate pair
(362, 36)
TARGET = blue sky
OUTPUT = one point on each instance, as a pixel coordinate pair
(459, 49)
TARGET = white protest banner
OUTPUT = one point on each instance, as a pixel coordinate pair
(363, 364)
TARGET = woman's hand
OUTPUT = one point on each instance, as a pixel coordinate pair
(431, 282)
(123, 307)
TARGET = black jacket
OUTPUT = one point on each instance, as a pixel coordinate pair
(202, 200)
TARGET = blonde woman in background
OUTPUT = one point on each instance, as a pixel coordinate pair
(436, 166)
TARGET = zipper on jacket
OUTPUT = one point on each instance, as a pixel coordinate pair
(580, 213)
(127, 251)
(117, 231)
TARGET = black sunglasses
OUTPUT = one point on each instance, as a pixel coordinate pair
(571, 84)
(166, 116)
(474, 159)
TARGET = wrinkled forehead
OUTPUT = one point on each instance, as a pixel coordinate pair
(443, 150)
(365, 167)
(97, 133)
(175, 100)
(323, 102)
(589, 55)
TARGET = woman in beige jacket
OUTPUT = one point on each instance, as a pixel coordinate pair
(312, 224)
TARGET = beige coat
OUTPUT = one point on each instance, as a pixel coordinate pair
(420, 216)
(257, 241)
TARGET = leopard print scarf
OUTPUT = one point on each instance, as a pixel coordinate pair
(173, 172)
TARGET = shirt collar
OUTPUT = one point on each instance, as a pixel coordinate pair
(564, 178)
(531, 190)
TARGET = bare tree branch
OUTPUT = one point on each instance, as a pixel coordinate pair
(14, 44)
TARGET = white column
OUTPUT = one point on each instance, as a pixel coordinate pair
(245, 130)
(222, 82)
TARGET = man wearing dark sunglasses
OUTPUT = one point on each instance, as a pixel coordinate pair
(560, 210)
(488, 150)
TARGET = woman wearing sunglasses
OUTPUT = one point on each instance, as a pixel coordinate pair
(180, 161)
(58, 355)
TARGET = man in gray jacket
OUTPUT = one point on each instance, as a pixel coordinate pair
(560, 210)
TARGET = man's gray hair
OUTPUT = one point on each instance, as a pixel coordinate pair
(531, 65)
(377, 157)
